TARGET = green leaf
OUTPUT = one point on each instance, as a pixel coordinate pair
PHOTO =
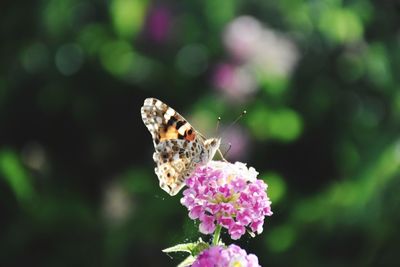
(200, 246)
(181, 248)
(194, 248)
(187, 262)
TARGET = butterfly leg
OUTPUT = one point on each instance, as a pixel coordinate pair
(221, 155)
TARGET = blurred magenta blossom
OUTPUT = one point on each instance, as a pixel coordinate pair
(241, 36)
(158, 24)
(236, 82)
(264, 49)
(229, 195)
(257, 52)
(225, 257)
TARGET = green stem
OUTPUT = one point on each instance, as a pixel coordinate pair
(217, 233)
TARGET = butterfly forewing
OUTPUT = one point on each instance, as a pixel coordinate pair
(178, 148)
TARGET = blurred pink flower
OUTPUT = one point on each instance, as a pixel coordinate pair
(239, 140)
(264, 49)
(229, 195)
(219, 256)
(158, 24)
(241, 35)
(235, 82)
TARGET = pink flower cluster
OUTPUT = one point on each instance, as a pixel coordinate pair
(219, 256)
(229, 195)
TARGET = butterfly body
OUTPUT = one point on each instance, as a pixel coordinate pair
(179, 148)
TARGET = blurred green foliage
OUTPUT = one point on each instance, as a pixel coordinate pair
(319, 81)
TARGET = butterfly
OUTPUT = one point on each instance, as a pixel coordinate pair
(179, 148)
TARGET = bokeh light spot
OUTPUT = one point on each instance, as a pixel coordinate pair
(276, 186)
(16, 176)
(280, 239)
(33, 155)
(92, 37)
(257, 122)
(378, 65)
(192, 59)
(117, 57)
(299, 17)
(285, 124)
(69, 59)
(310, 210)
(57, 16)
(144, 69)
(219, 12)
(128, 16)
(158, 24)
(117, 204)
(282, 124)
(274, 85)
(341, 25)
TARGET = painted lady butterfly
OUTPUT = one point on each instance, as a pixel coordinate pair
(179, 147)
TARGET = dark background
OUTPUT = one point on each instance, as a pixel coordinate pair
(320, 83)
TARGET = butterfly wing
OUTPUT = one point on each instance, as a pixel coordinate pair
(176, 160)
(178, 148)
(164, 123)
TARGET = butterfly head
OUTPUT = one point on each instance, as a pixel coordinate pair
(212, 145)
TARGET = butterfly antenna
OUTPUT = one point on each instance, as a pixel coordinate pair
(225, 130)
(217, 127)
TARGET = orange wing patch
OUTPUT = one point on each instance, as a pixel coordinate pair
(190, 135)
(168, 133)
(177, 129)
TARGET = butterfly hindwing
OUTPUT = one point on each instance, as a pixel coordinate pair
(175, 159)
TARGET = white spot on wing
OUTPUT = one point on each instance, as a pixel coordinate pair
(159, 105)
(148, 102)
(170, 112)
